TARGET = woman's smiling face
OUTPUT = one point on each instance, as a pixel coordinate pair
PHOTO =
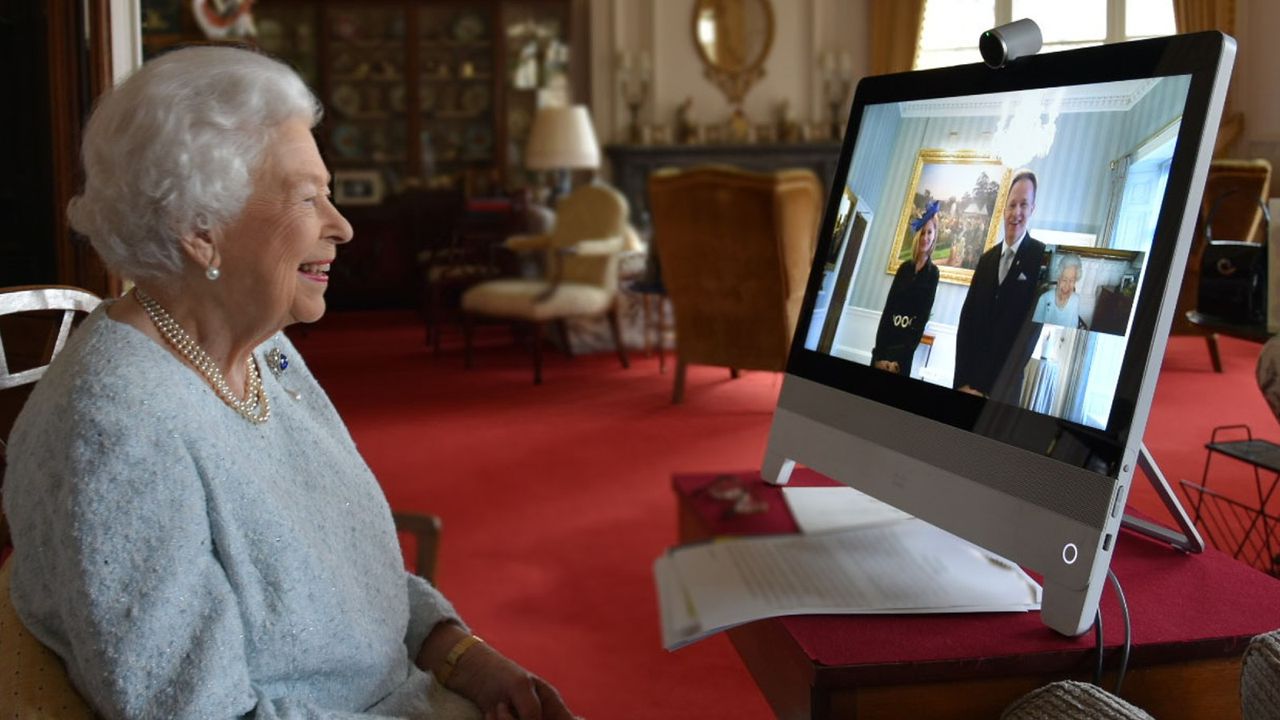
(926, 238)
(276, 254)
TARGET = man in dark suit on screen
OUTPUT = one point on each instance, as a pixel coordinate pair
(994, 338)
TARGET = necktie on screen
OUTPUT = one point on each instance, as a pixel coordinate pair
(1006, 260)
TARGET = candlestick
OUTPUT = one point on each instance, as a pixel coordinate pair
(633, 84)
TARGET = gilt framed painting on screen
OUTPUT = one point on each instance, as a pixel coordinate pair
(970, 186)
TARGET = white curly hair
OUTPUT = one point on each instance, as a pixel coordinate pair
(174, 149)
(1070, 260)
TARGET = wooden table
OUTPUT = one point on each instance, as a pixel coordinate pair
(1192, 616)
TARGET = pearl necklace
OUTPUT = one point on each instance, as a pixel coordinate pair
(254, 407)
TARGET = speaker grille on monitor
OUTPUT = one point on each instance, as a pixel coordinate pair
(1081, 495)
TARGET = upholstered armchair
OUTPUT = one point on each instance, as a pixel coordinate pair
(580, 279)
(735, 249)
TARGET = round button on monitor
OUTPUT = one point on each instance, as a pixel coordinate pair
(1070, 553)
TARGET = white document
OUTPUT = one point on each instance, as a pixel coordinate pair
(680, 624)
(903, 567)
(821, 509)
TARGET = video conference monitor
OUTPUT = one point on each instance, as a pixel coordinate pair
(1003, 397)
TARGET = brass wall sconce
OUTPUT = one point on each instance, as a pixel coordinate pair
(837, 83)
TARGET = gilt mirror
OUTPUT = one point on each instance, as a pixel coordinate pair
(733, 38)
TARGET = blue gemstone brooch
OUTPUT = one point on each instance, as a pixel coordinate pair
(278, 363)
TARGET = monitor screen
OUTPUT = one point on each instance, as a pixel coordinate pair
(991, 293)
(1070, 179)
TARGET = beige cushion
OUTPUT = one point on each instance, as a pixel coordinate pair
(516, 299)
(1071, 700)
(590, 211)
(34, 680)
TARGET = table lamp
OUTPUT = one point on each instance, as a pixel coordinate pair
(562, 139)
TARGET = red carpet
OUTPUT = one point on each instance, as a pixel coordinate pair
(1191, 400)
(556, 499)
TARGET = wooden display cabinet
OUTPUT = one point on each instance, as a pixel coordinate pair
(433, 95)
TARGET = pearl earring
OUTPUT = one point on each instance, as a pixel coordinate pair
(213, 273)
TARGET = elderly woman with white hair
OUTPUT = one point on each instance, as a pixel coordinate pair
(195, 532)
(1060, 305)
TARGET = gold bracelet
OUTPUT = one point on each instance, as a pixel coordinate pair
(454, 655)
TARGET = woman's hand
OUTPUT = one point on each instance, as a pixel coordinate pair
(503, 690)
(889, 365)
(499, 687)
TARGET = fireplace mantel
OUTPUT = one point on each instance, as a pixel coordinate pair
(632, 164)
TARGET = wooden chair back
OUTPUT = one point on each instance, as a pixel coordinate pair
(35, 322)
(67, 302)
(736, 248)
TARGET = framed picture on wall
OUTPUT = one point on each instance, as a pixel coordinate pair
(358, 187)
(970, 187)
(838, 234)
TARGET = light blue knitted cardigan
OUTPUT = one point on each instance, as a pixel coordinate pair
(184, 562)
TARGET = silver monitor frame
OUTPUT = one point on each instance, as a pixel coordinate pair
(1053, 517)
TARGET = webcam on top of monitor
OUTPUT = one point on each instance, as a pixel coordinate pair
(1004, 44)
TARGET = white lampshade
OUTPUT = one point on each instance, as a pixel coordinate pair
(562, 138)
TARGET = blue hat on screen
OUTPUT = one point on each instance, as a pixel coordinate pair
(929, 211)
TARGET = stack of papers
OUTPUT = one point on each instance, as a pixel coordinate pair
(878, 560)
(823, 509)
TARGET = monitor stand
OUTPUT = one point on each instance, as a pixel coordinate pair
(1189, 539)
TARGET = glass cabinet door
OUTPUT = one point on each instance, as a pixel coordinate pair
(365, 91)
(457, 96)
(536, 73)
(433, 94)
(289, 31)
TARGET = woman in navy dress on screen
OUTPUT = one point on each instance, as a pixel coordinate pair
(910, 300)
